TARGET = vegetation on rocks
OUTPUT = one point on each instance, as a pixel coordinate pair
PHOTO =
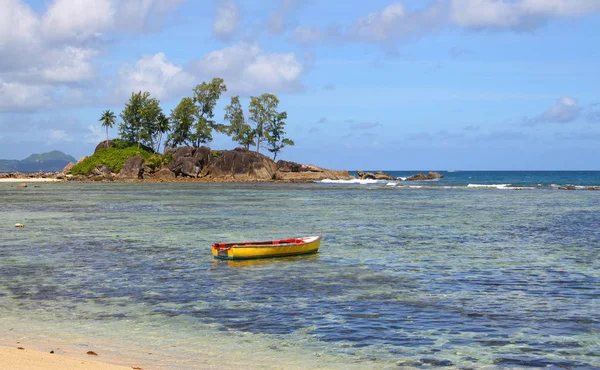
(157, 160)
(111, 157)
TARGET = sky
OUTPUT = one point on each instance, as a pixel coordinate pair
(379, 84)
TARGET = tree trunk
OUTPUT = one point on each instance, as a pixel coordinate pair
(107, 136)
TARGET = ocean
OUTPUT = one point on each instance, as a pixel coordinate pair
(508, 180)
(425, 275)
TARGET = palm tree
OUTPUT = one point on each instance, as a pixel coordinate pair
(163, 126)
(108, 119)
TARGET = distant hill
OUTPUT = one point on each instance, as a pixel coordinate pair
(53, 161)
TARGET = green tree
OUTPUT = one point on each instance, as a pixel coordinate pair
(150, 114)
(183, 119)
(140, 119)
(131, 116)
(262, 109)
(108, 119)
(238, 129)
(205, 97)
(275, 134)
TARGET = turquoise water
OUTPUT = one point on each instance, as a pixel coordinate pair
(506, 179)
(421, 277)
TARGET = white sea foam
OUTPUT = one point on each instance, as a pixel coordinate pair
(490, 186)
(353, 181)
(499, 186)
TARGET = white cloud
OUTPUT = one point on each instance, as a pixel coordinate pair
(43, 55)
(77, 20)
(396, 22)
(226, 19)
(56, 136)
(70, 65)
(247, 69)
(565, 110)
(155, 74)
(94, 135)
(518, 14)
(15, 96)
(390, 24)
(19, 34)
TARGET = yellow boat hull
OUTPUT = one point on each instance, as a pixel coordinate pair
(252, 250)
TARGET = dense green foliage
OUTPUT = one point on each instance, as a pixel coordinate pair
(121, 144)
(268, 122)
(238, 129)
(183, 118)
(156, 160)
(142, 119)
(206, 96)
(192, 122)
(274, 133)
(111, 157)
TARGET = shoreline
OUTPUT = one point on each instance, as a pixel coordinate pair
(22, 179)
(29, 179)
(21, 357)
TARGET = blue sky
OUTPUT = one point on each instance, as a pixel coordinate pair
(423, 85)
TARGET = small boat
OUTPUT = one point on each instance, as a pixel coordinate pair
(271, 248)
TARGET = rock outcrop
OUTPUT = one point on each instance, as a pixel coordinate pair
(68, 168)
(101, 173)
(241, 165)
(164, 174)
(296, 172)
(133, 168)
(101, 170)
(286, 166)
(365, 175)
(379, 175)
(430, 176)
(188, 161)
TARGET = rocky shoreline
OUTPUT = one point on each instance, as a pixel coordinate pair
(197, 165)
(187, 164)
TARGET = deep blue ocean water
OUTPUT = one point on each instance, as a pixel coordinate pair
(406, 277)
(534, 179)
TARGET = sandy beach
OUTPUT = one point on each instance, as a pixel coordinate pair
(20, 358)
(29, 179)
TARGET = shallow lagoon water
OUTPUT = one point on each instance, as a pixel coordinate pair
(404, 277)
